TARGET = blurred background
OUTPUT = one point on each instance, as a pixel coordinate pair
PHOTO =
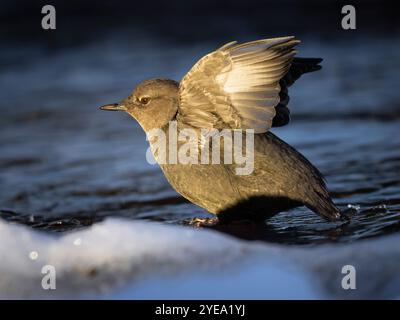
(65, 165)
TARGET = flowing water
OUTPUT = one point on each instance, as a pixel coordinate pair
(66, 165)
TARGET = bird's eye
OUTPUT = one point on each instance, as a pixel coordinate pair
(144, 100)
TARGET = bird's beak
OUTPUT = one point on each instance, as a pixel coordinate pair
(113, 107)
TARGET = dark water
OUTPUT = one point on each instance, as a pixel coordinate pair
(65, 165)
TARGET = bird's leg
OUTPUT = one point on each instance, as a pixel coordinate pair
(204, 222)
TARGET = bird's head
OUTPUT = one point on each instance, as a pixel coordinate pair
(153, 103)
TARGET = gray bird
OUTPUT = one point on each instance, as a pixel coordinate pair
(238, 86)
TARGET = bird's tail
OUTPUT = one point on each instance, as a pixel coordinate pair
(298, 67)
(325, 207)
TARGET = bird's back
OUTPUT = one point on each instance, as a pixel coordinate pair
(286, 177)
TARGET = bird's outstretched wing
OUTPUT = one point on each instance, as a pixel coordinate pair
(236, 86)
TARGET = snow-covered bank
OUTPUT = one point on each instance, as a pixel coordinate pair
(142, 260)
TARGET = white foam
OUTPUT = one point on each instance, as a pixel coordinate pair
(128, 259)
(132, 259)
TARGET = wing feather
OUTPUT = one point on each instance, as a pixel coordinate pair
(236, 86)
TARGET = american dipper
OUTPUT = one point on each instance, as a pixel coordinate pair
(238, 86)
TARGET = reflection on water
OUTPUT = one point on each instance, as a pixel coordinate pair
(65, 165)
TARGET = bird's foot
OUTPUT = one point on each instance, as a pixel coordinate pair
(204, 222)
